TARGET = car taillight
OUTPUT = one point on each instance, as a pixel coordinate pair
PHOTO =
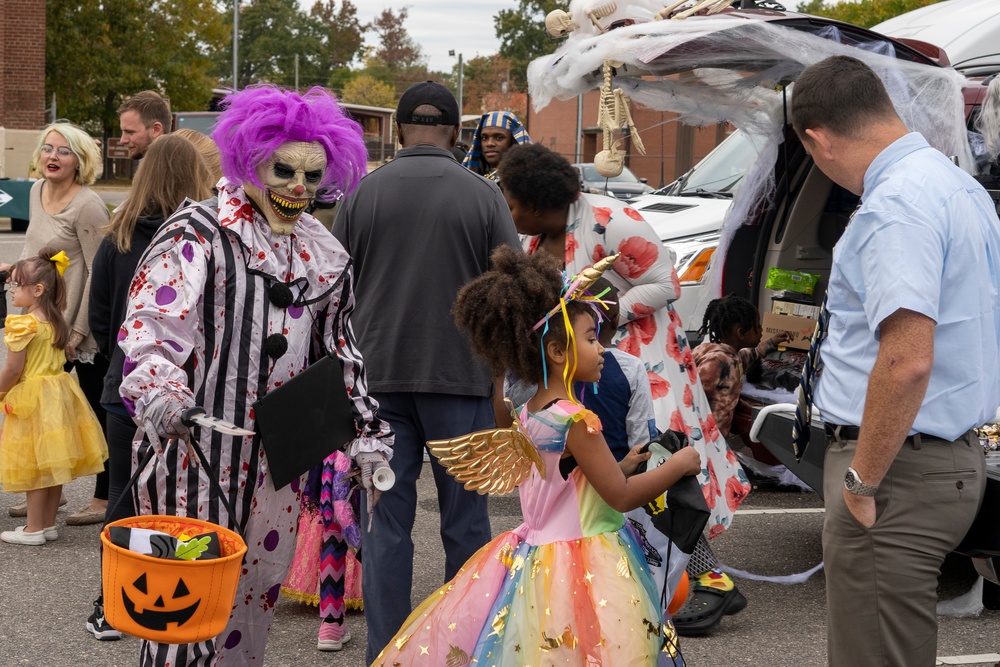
(696, 269)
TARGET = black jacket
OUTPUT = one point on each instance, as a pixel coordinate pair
(109, 284)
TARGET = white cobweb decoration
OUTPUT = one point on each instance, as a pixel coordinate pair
(734, 69)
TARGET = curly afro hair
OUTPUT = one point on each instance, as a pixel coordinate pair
(538, 178)
(499, 309)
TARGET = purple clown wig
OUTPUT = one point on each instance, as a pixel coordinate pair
(259, 119)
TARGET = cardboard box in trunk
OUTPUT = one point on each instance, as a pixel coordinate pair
(801, 328)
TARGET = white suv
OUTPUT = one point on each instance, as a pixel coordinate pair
(688, 214)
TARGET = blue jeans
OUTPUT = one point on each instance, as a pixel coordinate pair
(387, 550)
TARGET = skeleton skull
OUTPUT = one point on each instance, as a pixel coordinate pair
(291, 177)
(558, 23)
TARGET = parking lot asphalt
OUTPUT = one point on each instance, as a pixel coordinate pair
(47, 593)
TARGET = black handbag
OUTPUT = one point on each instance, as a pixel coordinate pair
(305, 420)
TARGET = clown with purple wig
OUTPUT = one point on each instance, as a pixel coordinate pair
(232, 299)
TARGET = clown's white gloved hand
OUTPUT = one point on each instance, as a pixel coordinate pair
(165, 414)
(373, 465)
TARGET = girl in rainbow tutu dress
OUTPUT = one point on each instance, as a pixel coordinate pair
(570, 585)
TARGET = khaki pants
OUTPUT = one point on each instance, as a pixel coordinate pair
(881, 583)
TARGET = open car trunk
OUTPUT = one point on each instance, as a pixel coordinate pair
(739, 67)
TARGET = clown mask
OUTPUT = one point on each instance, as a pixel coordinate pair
(291, 177)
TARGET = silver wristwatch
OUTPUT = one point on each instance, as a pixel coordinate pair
(853, 484)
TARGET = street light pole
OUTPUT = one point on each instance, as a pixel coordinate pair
(236, 43)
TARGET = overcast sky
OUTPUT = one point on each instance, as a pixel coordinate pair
(441, 25)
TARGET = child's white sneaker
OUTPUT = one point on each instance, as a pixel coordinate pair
(20, 536)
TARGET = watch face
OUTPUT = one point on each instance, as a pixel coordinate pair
(850, 480)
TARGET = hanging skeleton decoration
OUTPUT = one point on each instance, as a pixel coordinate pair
(612, 114)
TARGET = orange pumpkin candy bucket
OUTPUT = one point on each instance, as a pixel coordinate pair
(170, 601)
(167, 600)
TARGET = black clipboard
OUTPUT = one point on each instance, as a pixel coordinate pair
(305, 420)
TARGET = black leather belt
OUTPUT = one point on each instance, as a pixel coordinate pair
(845, 432)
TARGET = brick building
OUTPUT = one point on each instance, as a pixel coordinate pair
(22, 81)
(671, 147)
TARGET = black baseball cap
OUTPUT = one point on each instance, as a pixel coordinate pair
(434, 94)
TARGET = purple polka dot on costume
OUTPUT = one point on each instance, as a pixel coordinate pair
(295, 485)
(233, 640)
(165, 295)
(128, 366)
(295, 312)
(187, 252)
(129, 405)
(122, 334)
(271, 541)
(272, 593)
(174, 344)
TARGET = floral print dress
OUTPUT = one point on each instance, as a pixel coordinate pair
(650, 329)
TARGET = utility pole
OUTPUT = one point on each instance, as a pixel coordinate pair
(461, 76)
(236, 43)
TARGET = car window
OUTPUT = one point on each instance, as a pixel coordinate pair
(718, 172)
(200, 123)
(590, 174)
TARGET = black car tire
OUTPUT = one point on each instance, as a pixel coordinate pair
(18, 225)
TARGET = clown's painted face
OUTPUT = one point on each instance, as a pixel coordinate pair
(291, 177)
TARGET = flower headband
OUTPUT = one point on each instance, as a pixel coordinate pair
(575, 289)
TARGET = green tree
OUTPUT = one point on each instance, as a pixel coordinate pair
(864, 13)
(272, 34)
(98, 52)
(522, 35)
(365, 89)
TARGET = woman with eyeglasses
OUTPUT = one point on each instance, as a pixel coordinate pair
(67, 215)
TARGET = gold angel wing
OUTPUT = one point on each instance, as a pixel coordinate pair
(491, 461)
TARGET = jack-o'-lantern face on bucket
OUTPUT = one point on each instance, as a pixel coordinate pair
(157, 614)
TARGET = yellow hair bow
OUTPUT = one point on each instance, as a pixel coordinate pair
(61, 261)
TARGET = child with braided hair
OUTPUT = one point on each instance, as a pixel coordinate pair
(732, 325)
(51, 435)
(570, 585)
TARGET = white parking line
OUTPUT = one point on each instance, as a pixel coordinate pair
(791, 510)
(982, 659)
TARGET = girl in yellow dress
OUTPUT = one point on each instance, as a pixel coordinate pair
(50, 435)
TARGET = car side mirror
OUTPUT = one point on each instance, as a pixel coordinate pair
(643, 180)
